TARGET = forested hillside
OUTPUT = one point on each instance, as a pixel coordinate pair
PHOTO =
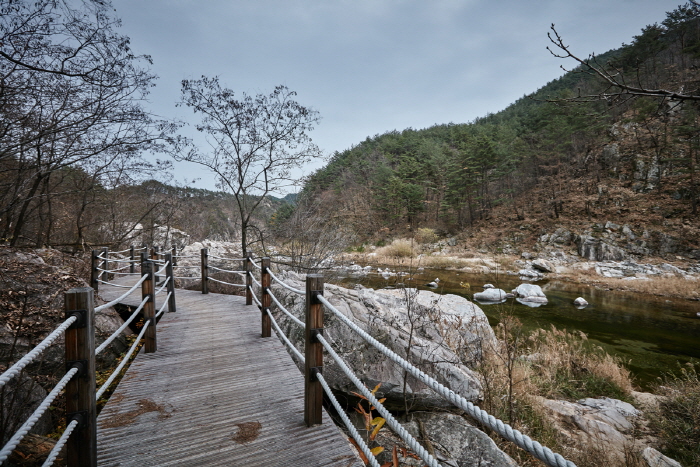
(577, 151)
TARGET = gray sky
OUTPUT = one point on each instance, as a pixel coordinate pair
(372, 66)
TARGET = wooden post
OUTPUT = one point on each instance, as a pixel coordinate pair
(80, 391)
(155, 257)
(94, 273)
(313, 391)
(171, 283)
(248, 279)
(173, 252)
(149, 309)
(105, 264)
(265, 299)
(132, 265)
(205, 271)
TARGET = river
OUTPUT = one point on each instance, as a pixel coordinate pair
(652, 335)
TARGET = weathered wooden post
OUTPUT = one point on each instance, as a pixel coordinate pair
(170, 277)
(80, 391)
(155, 256)
(94, 273)
(313, 391)
(205, 271)
(132, 265)
(265, 299)
(173, 251)
(104, 275)
(148, 289)
(249, 279)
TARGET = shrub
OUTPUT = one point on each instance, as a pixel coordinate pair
(424, 235)
(677, 421)
(399, 248)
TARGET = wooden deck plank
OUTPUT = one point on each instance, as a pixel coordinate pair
(182, 405)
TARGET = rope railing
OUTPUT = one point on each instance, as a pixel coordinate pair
(163, 285)
(123, 363)
(506, 431)
(117, 260)
(161, 270)
(390, 420)
(165, 303)
(255, 281)
(113, 284)
(115, 271)
(121, 252)
(226, 270)
(15, 369)
(348, 424)
(187, 256)
(116, 333)
(123, 296)
(288, 287)
(227, 259)
(53, 455)
(36, 415)
(186, 277)
(226, 283)
(256, 266)
(284, 338)
(285, 311)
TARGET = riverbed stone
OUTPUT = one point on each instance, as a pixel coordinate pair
(530, 293)
(491, 295)
(543, 265)
(580, 301)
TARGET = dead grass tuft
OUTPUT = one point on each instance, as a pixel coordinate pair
(399, 248)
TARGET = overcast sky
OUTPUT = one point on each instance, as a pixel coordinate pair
(372, 66)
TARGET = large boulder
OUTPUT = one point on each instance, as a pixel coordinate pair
(530, 293)
(446, 333)
(491, 295)
(543, 265)
(454, 441)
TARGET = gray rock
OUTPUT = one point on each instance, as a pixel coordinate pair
(596, 250)
(488, 286)
(491, 295)
(654, 458)
(529, 273)
(530, 293)
(628, 232)
(22, 395)
(543, 265)
(612, 226)
(580, 301)
(448, 335)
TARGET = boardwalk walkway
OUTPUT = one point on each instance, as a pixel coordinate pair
(214, 394)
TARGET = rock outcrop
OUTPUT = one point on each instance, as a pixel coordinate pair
(446, 334)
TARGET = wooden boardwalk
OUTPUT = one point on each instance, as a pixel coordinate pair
(215, 393)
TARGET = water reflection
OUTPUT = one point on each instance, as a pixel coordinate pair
(652, 335)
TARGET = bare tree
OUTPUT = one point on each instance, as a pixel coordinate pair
(71, 90)
(254, 142)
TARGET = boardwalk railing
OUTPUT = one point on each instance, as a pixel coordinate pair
(79, 381)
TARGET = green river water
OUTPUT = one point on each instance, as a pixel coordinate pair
(652, 335)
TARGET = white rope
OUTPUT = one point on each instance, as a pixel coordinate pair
(123, 296)
(297, 291)
(115, 271)
(284, 310)
(257, 266)
(257, 301)
(184, 256)
(128, 250)
(255, 282)
(186, 277)
(113, 285)
(506, 431)
(282, 336)
(351, 428)
(123, 260)
(124, 361)
(227, 259)
(121, 328)
(161, 270)
(59, 444)
(395, 426)
(15, 369)
(164, 285)
(125, 273)
(242, 273)
(34, 417)
(100, 256)
(224, 282)
(186, 266)
(162, 307)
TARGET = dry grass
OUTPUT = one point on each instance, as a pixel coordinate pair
(399, 248)
(424, 235)
(665, 286)
(443, 262)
